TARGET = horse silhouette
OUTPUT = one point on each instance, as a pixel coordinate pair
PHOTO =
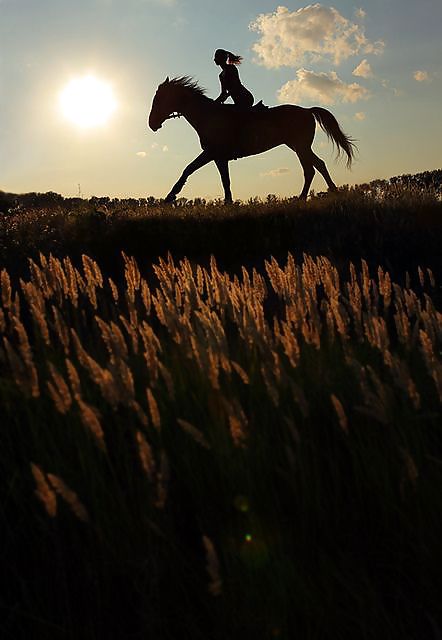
(228, 132)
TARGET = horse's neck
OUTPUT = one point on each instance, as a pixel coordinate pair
(195, 109)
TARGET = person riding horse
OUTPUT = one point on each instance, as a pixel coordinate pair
(229, 132)
(231, 84)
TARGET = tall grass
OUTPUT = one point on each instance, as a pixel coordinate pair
(197, 453)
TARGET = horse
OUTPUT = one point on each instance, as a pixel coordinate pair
(227, 132)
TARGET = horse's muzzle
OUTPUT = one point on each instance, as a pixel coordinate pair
(155, 125)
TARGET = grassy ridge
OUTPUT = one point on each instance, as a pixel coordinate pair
(198, 447)
(400, 230)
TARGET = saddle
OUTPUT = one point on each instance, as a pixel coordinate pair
(256, 108)
(259, 106)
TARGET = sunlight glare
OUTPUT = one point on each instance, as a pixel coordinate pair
(87, 102)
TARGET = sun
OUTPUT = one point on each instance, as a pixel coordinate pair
(87, 102)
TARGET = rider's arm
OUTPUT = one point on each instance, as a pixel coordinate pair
(224, 91)
(222, 96)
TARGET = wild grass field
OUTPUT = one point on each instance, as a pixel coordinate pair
(222, 422)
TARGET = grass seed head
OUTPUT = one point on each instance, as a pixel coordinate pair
(146, 456)
(69, 496)
(153, 409)
(89, 418)
(44, 492)
(212, 567)
(6, 290)
(339, 409)
(195, 433)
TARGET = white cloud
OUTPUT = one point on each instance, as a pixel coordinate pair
(156, 147)
(360, 13)
(311, 33)
(326, 88)
(141, 154)
(395, 91)
(274, 173)
(360, 115)
(421, 76)
(363, 70)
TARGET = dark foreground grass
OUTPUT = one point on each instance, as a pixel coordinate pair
(189, 454)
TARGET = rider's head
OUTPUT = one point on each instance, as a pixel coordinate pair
(222, 57)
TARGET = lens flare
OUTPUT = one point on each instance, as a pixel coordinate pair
(241, 503)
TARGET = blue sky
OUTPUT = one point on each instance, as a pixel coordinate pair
(376, 66)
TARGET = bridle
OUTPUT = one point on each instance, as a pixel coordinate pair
(174, 115)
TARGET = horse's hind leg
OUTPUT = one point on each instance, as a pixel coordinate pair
(305, 158)
(223, 168)
(196, 164)
(321, 167)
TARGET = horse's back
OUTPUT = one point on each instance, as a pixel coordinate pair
(287, 117)
(291, 110)
(235, 133)
(263, 110)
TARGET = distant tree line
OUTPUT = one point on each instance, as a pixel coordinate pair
(427, 182)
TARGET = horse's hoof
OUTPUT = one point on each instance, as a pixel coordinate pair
(170, 198)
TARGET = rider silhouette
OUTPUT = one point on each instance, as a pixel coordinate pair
(230, 82)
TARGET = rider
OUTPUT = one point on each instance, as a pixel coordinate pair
(229, 78)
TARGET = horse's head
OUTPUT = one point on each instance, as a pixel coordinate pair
(163, 105)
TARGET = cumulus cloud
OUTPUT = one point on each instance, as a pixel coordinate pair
(363, 70)
(311, 33)
(360, 115)
(421, 76)
(327, 88)
(274, 173)
(141, 154)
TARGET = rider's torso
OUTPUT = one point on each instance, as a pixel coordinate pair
(230, 82)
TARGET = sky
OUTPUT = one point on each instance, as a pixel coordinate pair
(376, 66)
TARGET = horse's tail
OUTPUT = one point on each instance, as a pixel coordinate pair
(330, 125)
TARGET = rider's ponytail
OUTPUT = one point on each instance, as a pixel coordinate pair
(233, 59)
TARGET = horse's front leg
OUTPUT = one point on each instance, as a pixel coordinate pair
(223, 168)
(196, 164)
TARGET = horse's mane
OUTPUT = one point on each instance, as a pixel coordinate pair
(187, 82)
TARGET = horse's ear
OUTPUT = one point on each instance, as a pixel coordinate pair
(167, 80)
